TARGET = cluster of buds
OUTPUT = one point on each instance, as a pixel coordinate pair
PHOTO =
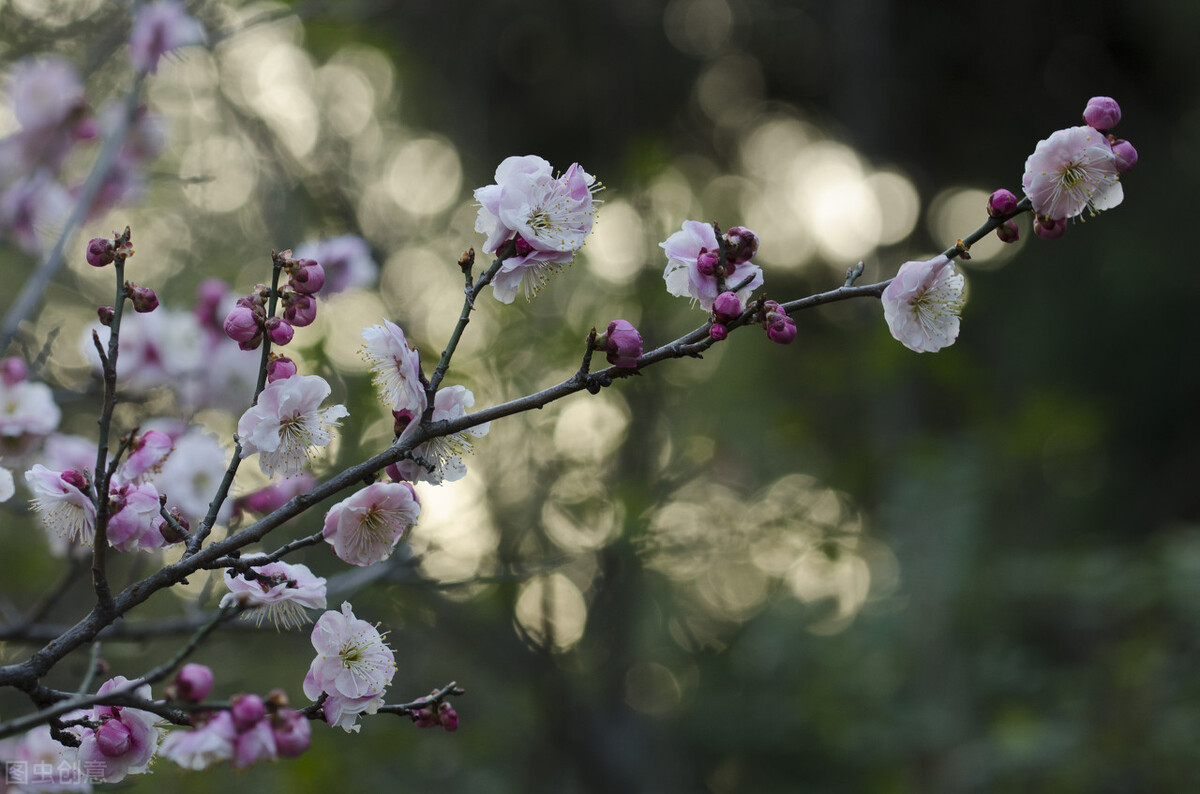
(727, 307)
(442, 714)
(780, 328)
(248, 321)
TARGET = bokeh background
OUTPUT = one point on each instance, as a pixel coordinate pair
(832, 566)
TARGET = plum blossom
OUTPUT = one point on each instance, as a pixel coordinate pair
(545, 218)
(288, 423)
(125, 740)
(207, 744)
(364, 528)
(692, 256)
(159, 28)
(44, 763)
(440, 459)
(395, 368)
(46, 93)
(280, 592)
(347, 262)
(353, 668)
(132, 524)
(191, 473)
(1072, 171)
(162, 348)
(922, 304)
(65, 509)
(146, 456)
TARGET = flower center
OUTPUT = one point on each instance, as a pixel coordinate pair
(1072, 175)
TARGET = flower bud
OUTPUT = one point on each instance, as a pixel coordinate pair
(727, 307)
(13, 370)
(308, 276)
(424, 718)
(718, 331)
(209, 295)
(279, 331)
(293, 734)
(169, 533)
(192, 684)
(782, 330)
(521, 246)
(113, 738)
(106, 314)
(706, 262)
(743, 245)
(301, 310)
(100, 252)
(280, 368)
(74, 478)
(247, 711)
(143, 298)
(623, 344)
(448, 717)
(241, 324)
(1049, 228)
(1102, 113)
(1124, 154)
(1001, 203)
(1008, 232)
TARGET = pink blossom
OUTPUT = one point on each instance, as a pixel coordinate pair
(162, 348)
(159, 28)
(27, 408)
(293, 734)
(49, 765)
(689, 271)
(253, 744)
(364, 528)
(395, 368)
(353, 667)
(288, 424)
(440, 459)
(922, 304)
(132, 522)
(34, 206)
(207, 744)
(125, 741)
(347, 262)
(191, 473)
(1102, 113)
(46, 93)
(1072, 171)
(64, 508)
(547, 219)
(280, 592)
(147, 455)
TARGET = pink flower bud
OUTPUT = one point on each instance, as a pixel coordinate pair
(247, 711)
(13, 370)
(113, 738)
(106, 314)
(448, 717)
(301, 310)
(727, 307)
(279, 368)
(143, 298)
(241, 324)
(706, 262)
(1049, 228)
(209, 295)
(308, 277)
(192, 683)
(293, 734)
(743, 245)
(1102, 113)
(424, 718)
(100, 252)
(279, 330)
(1008, 232)
(1124, 154)
(521, 246)
(718, 331)
(623, 344)
(74, 478)
(1001, 203)
(782, 330)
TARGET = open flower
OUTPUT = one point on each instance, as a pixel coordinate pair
(1072, 171)
(922, 304)
(353, 667)
(692, 256)
(125, 739)
(288, 423)
(207, 744)
(59, 498)
(364, 528)
(280, 592)
(545, 217)
(440, 459)
(395, 368)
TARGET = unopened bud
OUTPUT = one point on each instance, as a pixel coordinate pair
(448, 717)
(424, 718)
(13, 370)
(1008, 232)
(308, 276)
(1102, 113)
(1125, 155)
(100, 252)
(1049, 228)
(106, 314)
(301, 310)
(280, 368)
(192, 684)
(1001, 203)
(242, 323)
(727, 306)
(706, 262)
(247, 711)
(743, 245)
(279, 331)
(143, 298)
(718, 331)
